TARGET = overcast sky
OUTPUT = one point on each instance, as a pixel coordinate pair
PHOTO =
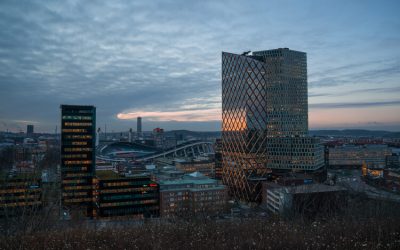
(162, 59)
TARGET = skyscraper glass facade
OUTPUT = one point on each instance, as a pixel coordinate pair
(264, 113)
(78, 132)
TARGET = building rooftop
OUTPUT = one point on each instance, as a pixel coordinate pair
(352, 146)
(261, 52)
(77, 106)
(193, 178)
(109, 175)
(7, 175)
(309, 188)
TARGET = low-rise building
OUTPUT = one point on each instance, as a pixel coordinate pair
(191, 195)
(307, 200)
(393, 161)
(372, 171)
(204, 166)
(392, 179)
(125, 195)
(353, 156)
(20, 193)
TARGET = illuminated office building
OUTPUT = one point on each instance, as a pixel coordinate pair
(20, 194)
(130, 195)
(265, 119)
(78, 132)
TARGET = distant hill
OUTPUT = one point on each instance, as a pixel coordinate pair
(355, 133)
(196, 134)
(344, 133)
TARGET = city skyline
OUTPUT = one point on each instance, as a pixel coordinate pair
(161, 61)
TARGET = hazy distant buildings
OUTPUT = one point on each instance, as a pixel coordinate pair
(29, 129)
(158, 137)
(203, 166)
(265, 119)
(393, 161)
(78, 132)
(354, 156)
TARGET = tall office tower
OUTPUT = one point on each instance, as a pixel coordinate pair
(78, 137)
(139, 125)
(265, 119)
(29, 129)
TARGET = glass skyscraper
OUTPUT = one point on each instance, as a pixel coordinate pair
(265, 119)
(78, 136)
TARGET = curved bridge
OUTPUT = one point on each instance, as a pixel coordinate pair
(188, 149)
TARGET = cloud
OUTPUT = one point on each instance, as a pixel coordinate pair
(357, 74)
(165, 56)
(199, 115)
(375, 91)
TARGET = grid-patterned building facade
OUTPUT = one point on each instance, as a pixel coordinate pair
(191, 195)
(20, 194)
(265, 119)
(134, 196)
(78, 132)
(295, 153)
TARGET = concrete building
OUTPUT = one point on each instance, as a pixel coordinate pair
(265, 119)
(192, 195)
(307, 200)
